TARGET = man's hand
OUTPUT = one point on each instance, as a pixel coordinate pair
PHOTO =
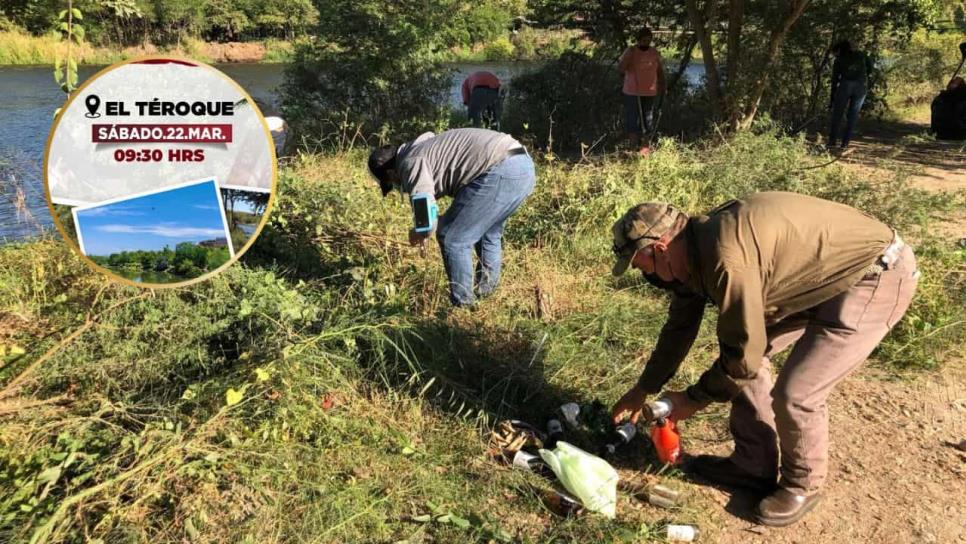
(630, 403)
(417, 238)
(682, 405)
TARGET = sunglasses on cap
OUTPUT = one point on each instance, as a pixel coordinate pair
(621, 249)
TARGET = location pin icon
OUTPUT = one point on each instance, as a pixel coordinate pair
(92, 102)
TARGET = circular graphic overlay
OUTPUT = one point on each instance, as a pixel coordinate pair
(161, 171)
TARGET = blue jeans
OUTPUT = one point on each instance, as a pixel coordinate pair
(475, 220)
(851, 94)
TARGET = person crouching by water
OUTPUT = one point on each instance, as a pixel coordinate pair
(481, 96)
(487, 173)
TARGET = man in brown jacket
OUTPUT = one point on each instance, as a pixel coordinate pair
(782, 269)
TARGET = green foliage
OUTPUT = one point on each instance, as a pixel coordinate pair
(187, 260)
(476, 22)
(170, 22)
(572, 100)
(532, 43)
(499, 49)
(376, 72)
(921, 69)
(65, 70)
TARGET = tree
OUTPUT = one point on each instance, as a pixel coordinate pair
(747, 44)
(374, 69)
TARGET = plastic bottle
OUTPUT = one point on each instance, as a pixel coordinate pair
(664, 433)
(682, 533)
(658, 409)
(623, 434)
(570, 413)
(533, 463)
(666, 440)
(555, 432)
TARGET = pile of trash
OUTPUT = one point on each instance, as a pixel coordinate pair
(583, 481)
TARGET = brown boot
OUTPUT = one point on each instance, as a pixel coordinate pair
(723, 471)
(783, 507)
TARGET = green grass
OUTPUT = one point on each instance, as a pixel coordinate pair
(18, 47)
(364, 399)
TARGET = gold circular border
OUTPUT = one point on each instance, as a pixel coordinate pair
(238, 254)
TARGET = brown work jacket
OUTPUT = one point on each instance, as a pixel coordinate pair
(760, 259)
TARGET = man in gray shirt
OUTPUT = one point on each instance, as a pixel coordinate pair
(488, 174)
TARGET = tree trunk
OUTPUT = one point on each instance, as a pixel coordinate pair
(701, 30)
(817, 76)
(683, 64)
(736, 19)
(774, 46)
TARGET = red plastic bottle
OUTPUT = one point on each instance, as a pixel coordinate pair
(667, 441)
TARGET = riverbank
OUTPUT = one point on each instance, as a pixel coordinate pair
(324, 390)
(19, 48)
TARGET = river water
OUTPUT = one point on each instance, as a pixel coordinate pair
(29, 97)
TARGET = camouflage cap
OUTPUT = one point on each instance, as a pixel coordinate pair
(640, 227)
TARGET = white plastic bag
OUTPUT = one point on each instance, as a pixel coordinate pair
(588, 477)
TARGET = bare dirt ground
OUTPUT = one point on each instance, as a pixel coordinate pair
(881, 146)
(896, 474)
(898, 465)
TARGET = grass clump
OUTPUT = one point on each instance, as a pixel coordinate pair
(324, 390)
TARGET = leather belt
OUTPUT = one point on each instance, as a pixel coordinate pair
(516, 151)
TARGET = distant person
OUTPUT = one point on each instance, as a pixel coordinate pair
(644, 81)
(481, 96)
(488, 174)
(948, 109)
(277, 127)
(850, 74)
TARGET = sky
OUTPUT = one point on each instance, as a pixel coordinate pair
(186, 214)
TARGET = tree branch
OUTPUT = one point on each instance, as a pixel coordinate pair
(701, 30)
(774, 46)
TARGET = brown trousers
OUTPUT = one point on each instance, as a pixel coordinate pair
(831, 340)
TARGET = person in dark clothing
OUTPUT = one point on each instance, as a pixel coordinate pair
(949, 111)
(850, 74)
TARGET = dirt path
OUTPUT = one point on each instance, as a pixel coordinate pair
(881, 146)
(895, 475)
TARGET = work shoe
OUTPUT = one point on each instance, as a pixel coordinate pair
(783, 507)
(723, 471)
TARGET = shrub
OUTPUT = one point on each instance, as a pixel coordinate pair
(499, 49)
(571, 100)
(922, 69)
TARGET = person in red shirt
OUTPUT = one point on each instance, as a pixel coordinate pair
(644, 81)
(481, 96)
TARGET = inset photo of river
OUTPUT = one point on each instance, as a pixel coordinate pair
(167, 236)
(244, 210)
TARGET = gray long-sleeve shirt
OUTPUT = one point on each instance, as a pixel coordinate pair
(441, 165)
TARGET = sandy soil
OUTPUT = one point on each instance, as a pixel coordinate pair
(896, 474)
(940, 166)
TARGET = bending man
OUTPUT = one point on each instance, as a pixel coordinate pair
(784, 270)
(488, 174)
